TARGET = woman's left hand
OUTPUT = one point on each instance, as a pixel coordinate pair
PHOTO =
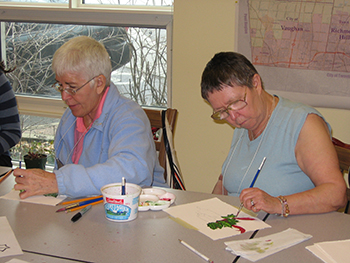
(255, 199)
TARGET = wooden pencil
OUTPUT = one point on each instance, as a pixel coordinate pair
(5, 175)
(83, 206)
(80, 200)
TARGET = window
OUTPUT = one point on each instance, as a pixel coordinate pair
(138, 57)
(138, 41)
(41, 130)
(131, 2)
(105, 2)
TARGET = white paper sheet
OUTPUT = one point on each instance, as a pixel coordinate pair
(4, 169)
(15, 260)
(8, 243)
(199, 214)
(258, 248)
(38, 199)
(320, 254)
(332, 251)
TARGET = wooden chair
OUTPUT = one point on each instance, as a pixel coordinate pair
(343, 152)
(155, 117)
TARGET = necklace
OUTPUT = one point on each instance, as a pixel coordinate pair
(253, 137)
(253, 158)
(59, 163)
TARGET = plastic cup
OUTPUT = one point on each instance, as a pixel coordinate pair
(118, 207)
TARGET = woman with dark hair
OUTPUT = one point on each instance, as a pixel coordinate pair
(10, 129)
(301, 173)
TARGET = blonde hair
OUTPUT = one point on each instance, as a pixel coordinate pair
(85, 55)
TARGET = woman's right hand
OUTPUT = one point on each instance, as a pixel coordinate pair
(255, 199)
(34, 182)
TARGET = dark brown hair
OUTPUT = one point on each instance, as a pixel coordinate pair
(227, 69)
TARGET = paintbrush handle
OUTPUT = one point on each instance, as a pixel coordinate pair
(257, 173)
(253, 182)
(83, 206)
(80, 200)
(6, 175)
(239, 209)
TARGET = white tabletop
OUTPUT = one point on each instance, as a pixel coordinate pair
(152, 237)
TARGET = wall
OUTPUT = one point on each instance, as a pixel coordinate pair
(201, 29)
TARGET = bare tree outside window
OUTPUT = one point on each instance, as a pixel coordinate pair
(144, 78)
(131, 2)
(138, 55)
(107, 2)
(38, 129)
(30, 48)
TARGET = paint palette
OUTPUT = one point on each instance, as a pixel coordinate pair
(168, 197)
(153, 191)
(155, 199)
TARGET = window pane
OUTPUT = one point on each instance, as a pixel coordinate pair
(37, 1)
(138, 58)
(144, 78)
(101, 2)
(38, 130)
(131, 2)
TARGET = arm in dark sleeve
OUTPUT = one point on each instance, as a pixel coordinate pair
(10, 129)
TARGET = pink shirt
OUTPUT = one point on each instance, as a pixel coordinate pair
(81, 130)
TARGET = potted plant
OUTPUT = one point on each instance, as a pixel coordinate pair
(36, 154)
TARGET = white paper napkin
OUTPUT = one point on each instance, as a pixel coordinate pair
(258, 248)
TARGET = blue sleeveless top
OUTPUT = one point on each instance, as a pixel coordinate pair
(280, 174)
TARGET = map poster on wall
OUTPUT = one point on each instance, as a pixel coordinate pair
(300, 48)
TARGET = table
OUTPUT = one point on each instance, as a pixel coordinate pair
(152, 237)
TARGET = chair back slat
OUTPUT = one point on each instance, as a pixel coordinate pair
(343, 152)
(344, 157)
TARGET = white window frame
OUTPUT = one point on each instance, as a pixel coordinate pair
(75, 13)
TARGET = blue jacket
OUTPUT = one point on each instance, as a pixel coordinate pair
(119, 144)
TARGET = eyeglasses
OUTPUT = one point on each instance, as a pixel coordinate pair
(71, 91)
(234, 106)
